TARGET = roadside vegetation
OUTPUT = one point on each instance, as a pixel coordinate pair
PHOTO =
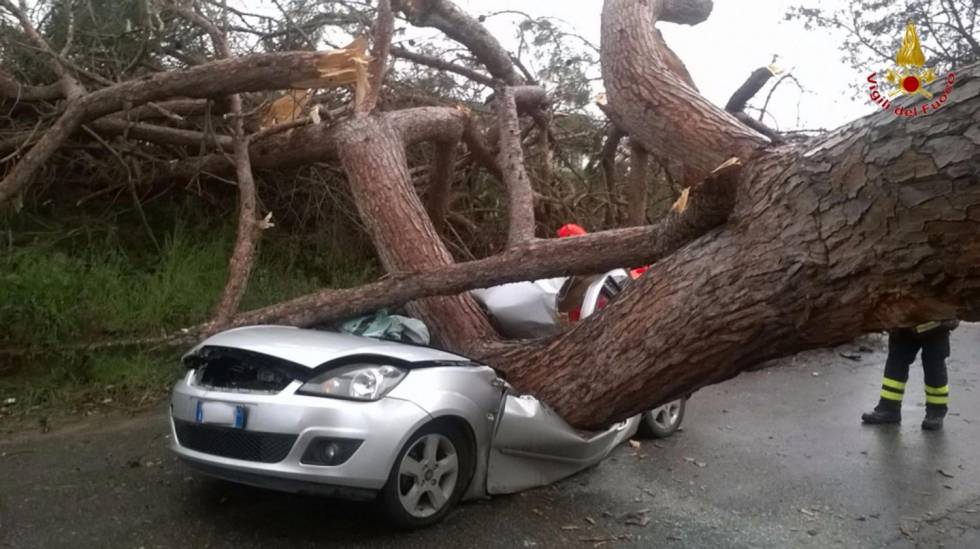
(70, 284)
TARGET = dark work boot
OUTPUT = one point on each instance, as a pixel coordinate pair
(885, 412)
(934, 418)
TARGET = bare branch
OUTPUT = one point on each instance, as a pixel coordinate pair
(384, 27)
(607, 159)
(442, 65)
(461, 27)
(243, 255)
(745, 92)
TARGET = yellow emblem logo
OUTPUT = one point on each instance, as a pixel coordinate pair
(909, 77)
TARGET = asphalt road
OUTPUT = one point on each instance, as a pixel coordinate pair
(774, 458)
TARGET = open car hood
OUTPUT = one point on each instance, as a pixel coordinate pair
(312, 348)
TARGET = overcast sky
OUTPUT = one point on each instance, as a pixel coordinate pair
(739, 37)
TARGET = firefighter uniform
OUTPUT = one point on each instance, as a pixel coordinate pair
(932, 338)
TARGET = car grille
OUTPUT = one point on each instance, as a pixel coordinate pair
(234, 443)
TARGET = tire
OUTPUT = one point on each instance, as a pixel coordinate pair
(663, 421)
(422, 489)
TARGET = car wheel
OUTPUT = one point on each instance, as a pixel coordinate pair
(428, 477)
(663, 421)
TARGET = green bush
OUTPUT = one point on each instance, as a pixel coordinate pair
(51, 296)
(63, 291)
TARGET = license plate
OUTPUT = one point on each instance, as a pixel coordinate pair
(220, 413)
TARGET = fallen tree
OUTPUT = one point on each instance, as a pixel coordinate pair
(772, 250)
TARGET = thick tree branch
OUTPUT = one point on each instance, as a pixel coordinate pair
(685, 12)
(636, 185)
(651, 103)
(477, 145)
(160, 135)
(439, 194)
(868, 228)
(373, 155)
(744, 93)
(249, 230)
(607, 162)
(511, 161)
(13, 90)
(461, 27)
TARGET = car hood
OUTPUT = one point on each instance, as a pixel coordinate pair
(312, 348)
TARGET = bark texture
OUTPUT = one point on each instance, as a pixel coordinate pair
(636, 186)
(511, 162)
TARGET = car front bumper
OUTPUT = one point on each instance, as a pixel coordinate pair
(382, 426)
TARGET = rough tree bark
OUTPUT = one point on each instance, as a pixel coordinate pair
(510, 159)
(461, 27)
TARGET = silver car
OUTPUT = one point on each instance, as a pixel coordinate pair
(416, 428)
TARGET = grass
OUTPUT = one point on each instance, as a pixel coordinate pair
(55, 292)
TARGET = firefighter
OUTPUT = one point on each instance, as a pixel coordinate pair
(903, 344)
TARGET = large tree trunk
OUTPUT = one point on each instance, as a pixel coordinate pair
(874, 226)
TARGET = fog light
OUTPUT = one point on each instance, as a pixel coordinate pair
(330, 451)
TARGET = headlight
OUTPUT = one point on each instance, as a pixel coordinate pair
(357, 382)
